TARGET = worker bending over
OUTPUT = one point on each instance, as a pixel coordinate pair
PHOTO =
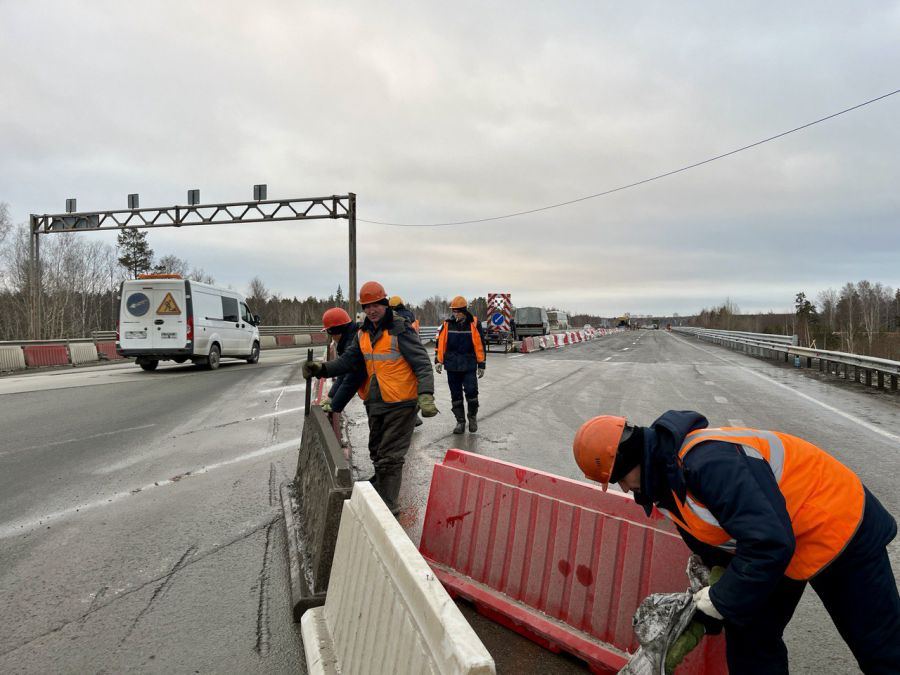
(774, 509)
(398, 376)
(460, 351)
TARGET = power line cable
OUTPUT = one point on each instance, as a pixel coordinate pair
(640, 182)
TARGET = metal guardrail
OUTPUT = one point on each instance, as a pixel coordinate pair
(886, 372)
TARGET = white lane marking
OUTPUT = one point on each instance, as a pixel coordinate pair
(14, 527)
(709, 383)
(607, 358)
(78, 440)
(625, 349)
(287, 387)
(543, 386)
(720, 399)
(736, 423)
(807, 397)
(517, 356)
(275, 414)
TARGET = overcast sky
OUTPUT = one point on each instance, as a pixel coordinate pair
(432, 112)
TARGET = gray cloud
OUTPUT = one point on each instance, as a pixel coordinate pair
(448, 112)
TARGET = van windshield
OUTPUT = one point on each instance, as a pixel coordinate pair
(528, 315)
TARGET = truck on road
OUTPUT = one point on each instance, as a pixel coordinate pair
(164, 317)
(531, 321)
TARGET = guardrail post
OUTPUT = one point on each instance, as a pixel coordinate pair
(893, 383)
(880, 380)
(809, 362)
(822, 363)
(868, 377)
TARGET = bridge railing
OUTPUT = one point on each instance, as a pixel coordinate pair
(871, 370)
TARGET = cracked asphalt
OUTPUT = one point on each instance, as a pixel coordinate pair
(140, 524)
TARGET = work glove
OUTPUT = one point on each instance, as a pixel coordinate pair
(326, 405)
(313, 369)
(705, 604)
(427, 406)
(703, 623)
(480, 373)
(438, 368)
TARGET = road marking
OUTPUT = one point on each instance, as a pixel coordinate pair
(607, 358)
(736, 423)
(720, 399)
(517, 356)
(709, 383)
(78, 440)
(275, 414)
(807, 397)
(287, 387)
(14, 527)
(543, 386)
(625, 349)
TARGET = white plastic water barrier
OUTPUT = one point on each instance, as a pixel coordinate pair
(11, 358)
(385, 612)
(82, 352)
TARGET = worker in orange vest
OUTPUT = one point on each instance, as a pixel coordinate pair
(399, 307)
(460, 350)
(774, 509)
(398, 377)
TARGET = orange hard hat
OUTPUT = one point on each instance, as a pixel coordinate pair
(595, 446)
(370, 292)
(334, 317)
(459, 302)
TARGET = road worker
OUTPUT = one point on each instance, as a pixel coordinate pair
(397, 304)
(342, 330)
(398, 376)
(777, 512)
(460, 351)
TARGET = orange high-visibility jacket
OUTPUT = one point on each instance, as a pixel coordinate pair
(476, 342)
(823, 497)
(396, 378)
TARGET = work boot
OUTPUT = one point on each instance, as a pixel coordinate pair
(459, 412)
(473, 414)
(388, 486)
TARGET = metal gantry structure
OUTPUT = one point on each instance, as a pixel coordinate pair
(259, 211)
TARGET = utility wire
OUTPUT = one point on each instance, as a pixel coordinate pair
(640, 182)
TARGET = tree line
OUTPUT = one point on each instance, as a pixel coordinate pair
(861, 317)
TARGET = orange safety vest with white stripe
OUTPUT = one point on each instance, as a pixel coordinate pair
(476, 342)
(396, 379)
(824, 498)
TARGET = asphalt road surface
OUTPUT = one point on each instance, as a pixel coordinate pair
(139, 515)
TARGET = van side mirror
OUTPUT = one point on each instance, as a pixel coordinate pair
(256, 320)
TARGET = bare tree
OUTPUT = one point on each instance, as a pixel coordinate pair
(172, 264)
(200, 275)
(257, 293)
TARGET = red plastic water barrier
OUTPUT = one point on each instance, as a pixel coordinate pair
(46, 355)
(108, 349)
(284, 340)
(320, 338)
(557, 560)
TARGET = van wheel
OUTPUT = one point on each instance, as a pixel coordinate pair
(254, 354)
(148, 364)
(212, 361)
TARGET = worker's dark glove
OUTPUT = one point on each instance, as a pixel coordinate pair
(427, 406)
(480, 373)
(313, 369)
(699, 626)
(438, 368)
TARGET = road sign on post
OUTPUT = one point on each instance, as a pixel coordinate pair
(500, 303)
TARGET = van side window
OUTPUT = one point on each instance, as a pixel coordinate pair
(230, 309)
(245, 314)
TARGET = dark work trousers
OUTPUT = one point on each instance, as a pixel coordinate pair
(390, 433)
(860, 594)
(462, 380)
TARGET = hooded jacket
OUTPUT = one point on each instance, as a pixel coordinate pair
(344, 387)
(743, 495)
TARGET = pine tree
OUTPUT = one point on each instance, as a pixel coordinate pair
(135, 253)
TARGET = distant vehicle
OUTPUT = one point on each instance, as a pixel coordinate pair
(163, 317)
(531, 321)
(558, 320)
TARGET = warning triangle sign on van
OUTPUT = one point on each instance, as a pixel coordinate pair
(168, 306)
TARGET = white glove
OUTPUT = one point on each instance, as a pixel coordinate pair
(705, 604)
(480, 373)
(439, 368)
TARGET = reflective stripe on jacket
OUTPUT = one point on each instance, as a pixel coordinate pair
(823, 498)
(396, 379)
(477, 345)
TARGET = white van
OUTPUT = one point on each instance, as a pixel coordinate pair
(164, 317)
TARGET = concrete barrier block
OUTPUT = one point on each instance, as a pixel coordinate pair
(284, 340)
(312, 504)
(45, 355)
(399, 619)
(83, 352)
(320, 338)
(302, 340)
(267, 342)
(12, 358)
(107, 350)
